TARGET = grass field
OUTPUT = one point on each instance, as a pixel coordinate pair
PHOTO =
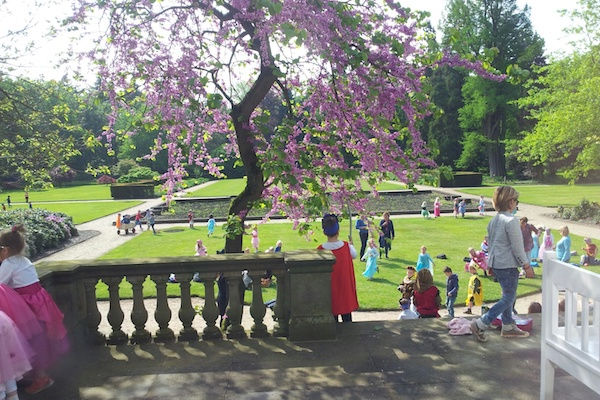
(86, 211)
(444, 235)
(90, 191)
(232, 187)
(546, 195)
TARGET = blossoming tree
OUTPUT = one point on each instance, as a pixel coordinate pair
(350, 74)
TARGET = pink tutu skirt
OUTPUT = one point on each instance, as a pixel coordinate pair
(14, 351)
(53, 342)
(19, 312)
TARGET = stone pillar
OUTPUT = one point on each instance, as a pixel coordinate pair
(93, 316)
(186, 311)
(115, 313)
(309, 273)
(139, 314)
(163, 312)
(235, 307)
(210, 312)
(257, 308)
(282, 309)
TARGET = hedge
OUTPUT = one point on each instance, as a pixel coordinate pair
(462, 179)
(44, 229)
(138, 190)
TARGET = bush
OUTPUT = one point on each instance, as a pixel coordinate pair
(123, 167)
(62, 175)
(138, 174)
(586, 210)
(44, 229)
(104, 179)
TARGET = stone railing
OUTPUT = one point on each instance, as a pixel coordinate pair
(302, 310)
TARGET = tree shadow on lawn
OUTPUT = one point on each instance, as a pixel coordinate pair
(380, 280)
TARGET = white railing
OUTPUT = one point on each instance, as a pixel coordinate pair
(572, 344)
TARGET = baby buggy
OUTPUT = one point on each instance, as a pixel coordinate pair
(126, 225)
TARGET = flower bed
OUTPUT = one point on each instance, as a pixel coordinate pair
(44, 230)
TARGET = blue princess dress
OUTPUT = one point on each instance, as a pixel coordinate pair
(370, 255)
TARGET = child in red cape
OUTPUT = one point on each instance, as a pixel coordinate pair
(343, 283)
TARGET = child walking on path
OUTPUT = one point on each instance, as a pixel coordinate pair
(343, 284)
(462, 207)
(14, 357)
(455, 207)
(474, 291)
(481, 206)
(190, 217)
(210, 226)
(426, 295)
(371, 256)
(425, 261)
(451, 290)
(19, 273)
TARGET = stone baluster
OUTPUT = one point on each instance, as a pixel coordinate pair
(281, 310)
(93, 316)
(257, 308)
(210, 312)
(235, 308)
(162, 315)
(186, 311)
(115, 313)
(139, 314)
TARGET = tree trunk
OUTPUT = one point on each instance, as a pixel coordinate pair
(494, 131)
(240, 115)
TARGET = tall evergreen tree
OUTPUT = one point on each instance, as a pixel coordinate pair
(502, 32)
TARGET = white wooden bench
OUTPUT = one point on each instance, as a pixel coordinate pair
(575, 345)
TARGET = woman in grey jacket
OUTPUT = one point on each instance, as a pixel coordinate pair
(506, 255)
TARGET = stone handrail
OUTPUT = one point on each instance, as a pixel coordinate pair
(302, 311)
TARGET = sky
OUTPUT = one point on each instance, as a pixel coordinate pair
(44, 60)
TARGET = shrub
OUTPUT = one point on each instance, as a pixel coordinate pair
(62, 175)
(123, 167)
(104, 179)
(585, 210)
(137, 174)
(44, 229)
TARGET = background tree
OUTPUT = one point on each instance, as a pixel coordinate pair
(565, 102)
(349, 73)
(498, 30)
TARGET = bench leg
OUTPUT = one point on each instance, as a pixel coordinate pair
(547, 380)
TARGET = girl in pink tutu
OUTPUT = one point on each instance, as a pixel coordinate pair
(14, 357)
(19, 273)
(437, 205)
(200, 248)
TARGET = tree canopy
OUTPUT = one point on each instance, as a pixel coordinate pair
(565, 103)
(349, 74)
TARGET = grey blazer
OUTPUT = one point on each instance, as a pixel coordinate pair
(506, 242)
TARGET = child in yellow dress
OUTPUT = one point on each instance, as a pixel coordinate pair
(474, 290)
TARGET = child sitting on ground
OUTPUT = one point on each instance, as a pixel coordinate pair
(426, 296)
(424, 211)
(591, 250)
(478, 259)
(451, 290)
(408, 283)
(407, 313)
(200, 248)
(474, 291)
(534, 308)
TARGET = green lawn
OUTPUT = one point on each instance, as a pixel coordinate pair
(89, 191)
(232, 187)
(444, 235)
(86, 211)
(546, 195)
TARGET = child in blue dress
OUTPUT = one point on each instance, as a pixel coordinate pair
(425, 261)
(371, 257)
(210, 225)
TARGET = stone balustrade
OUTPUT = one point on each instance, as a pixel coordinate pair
(302, 310)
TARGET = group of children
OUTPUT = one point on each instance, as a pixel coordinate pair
(32, 333)
(459, 206)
